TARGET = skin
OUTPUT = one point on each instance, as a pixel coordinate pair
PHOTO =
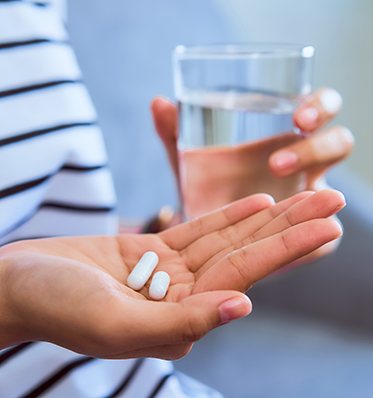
(72, 292)
(313, 156)
(323, 147)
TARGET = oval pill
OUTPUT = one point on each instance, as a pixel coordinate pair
(142, 270)
(159, 285)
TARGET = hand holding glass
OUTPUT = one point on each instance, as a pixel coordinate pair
(236, 107)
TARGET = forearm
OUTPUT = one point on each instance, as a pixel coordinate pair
(11, 330)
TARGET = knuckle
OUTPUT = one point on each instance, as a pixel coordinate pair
(198, 225)
(273, 212)
(226, 214)
(232, 237)
(238, 261)
(288, 217)
(346, 137)
(285, 242)
(331, 145)
(252, 238)
(229, 236)
(340, 142)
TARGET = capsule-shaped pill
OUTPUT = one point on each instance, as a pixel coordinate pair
(159, 285)
(142, 271)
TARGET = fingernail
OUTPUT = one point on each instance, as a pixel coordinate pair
(284, 160)
(308, 115)
(234, 308)
(331, 100)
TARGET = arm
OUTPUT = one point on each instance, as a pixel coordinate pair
(8, 327)
(72, 291)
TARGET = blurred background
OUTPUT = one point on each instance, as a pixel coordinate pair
(311, 331)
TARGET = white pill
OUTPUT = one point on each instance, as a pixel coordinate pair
(142, 271)
(159, 285)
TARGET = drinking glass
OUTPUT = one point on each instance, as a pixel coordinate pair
(236, 105)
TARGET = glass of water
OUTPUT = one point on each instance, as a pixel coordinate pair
(236, 105)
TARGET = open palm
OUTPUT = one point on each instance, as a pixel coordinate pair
(71, 291)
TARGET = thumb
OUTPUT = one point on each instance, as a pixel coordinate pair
(165, 120)
(193, 317)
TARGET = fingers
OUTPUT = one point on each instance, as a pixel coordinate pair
(243, 267)
(318, 109)
(183, 235)
(325, 250)
(149, 324)
(321, 149)
(210, 247)
(302, 207)
(322, 204)
(317, 151)
(165, 120)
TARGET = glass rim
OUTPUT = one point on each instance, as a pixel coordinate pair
(248, 50)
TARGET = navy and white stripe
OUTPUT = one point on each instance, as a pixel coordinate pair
(47, 121)
(25, 20)
(54, 180)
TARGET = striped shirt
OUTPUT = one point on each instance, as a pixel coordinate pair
(54, 180)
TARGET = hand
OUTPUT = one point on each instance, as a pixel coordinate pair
(313, 155)
(72, 292)
(322, 148)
